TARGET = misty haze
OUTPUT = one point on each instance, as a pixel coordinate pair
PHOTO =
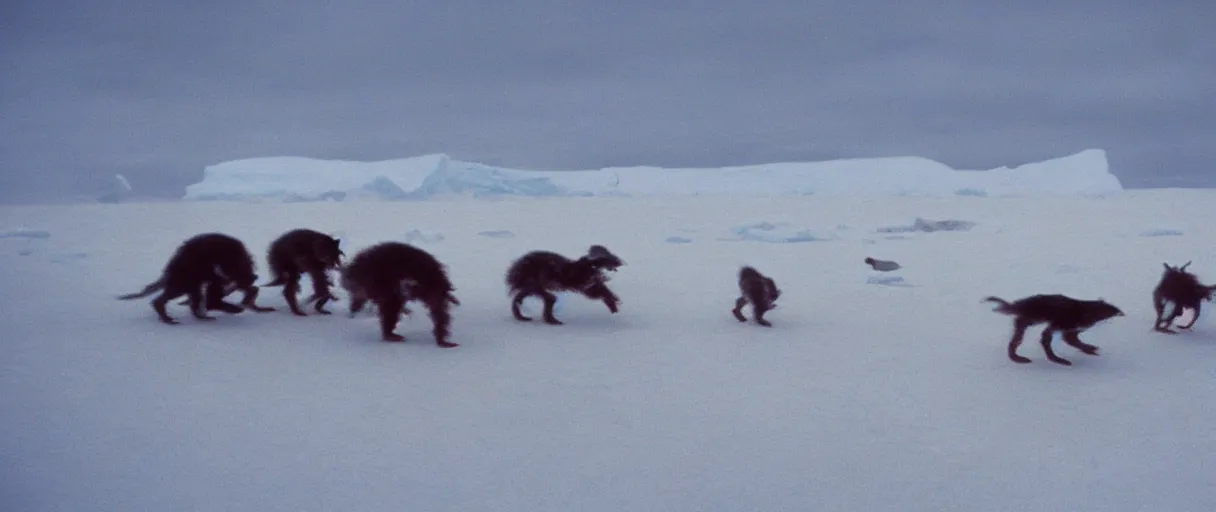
(157, 91)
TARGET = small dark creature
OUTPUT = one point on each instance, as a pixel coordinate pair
(882, 265)
(758, 290)
(390, 274)
(542, 273)
(205, 267)
(299, 252)
(1062, 314)
(1184, 291)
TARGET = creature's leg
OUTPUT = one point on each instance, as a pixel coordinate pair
(738, 311)
(519, 301)
(1159, 307)
(197, 306)
(601, 291)
(291, 288)
(214, 293)
(550, 301)
(250, 298)
(320, 289)
(356, 305)
(1045, 339)
(1194, 319)
(1073, 338)
(758, 311)
(1019, 331)
(159, 303)
(390, 314)
(442, 320)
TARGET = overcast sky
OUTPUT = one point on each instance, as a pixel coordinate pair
(158, 89)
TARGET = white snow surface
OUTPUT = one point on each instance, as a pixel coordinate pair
(290, 179)
(860, 397)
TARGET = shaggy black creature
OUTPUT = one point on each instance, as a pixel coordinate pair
(207, 266)
(1062, 314)
(542, 273)
(299, 252)
(393, 273)
(1184, 291)
(759, 290)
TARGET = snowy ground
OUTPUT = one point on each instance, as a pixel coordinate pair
(861, 397)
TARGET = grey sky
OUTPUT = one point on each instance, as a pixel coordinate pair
(157, 89)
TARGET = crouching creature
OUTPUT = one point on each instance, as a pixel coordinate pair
(390, 274)
(1184, 291)
(760, 291)
(544, 273)
(205, 268)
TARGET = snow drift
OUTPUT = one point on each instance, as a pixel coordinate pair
(304, 179)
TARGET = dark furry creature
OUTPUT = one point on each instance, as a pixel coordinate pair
(882, 265)
(1062, 314)
(299, 252)
(758, 290)
(393, 273)
(1184, 291)
(542, 273)
(205, 267)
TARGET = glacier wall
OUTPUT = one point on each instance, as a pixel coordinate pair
(289, 179)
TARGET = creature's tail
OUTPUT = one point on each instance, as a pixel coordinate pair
(148, 290)
(1003, 306)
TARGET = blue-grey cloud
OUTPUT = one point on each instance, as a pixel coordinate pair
(158, 89)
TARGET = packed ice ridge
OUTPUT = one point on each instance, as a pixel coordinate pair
(292, 179)
(777, 233)
(1161, 232)
(929, 226)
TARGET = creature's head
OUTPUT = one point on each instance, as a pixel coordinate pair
(600, 257)
(773, 292)
(328, 250)
(1103, 310)
(1169, 269)
(1211, 292)
(869, 261)
(348, 283)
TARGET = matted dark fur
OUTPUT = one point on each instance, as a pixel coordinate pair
(304, 251)
(1184, 291)
(390, 274)
(542, 273)
(758, 290)
(1062, 314)
(206, 266)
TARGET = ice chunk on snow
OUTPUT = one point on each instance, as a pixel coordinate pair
(777, 233)
(501, 233)
(25, 233)
(68, 257)
(929, 226)
(423, 236)
(677, 240)
(1161, 232)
